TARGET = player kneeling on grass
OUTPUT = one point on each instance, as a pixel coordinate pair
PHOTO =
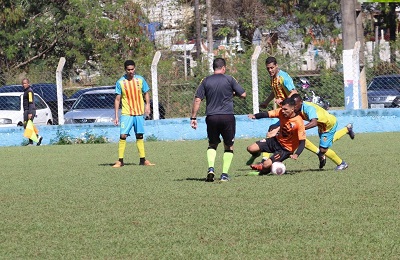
(291, 137)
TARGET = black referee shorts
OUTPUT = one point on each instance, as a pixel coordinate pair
(221, 125)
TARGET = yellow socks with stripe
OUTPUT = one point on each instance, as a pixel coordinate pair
(339, 134)
(266, 155)
(211, 154)
(227, 160)
(140, 148)
(311, 147)
(121, 148)
(333, 156)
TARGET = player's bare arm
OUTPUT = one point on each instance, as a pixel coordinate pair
(313, 123)
(147, 107)
(116, 108)
(195, 108)
(265, 103)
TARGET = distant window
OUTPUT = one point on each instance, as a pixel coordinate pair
(39, 103)
(95, 101)
(385, 83)
(10, 103)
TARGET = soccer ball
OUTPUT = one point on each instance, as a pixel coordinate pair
(278, 168)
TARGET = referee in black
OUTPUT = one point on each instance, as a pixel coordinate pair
(28, 103)
(218, 90)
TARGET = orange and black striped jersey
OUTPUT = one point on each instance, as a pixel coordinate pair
(282, 84)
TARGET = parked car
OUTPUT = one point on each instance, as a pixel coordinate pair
(48, 91)
(384, 91)
(12, 111)
(96, 106)
(71, 100)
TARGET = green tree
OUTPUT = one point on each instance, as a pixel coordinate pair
(40, 32)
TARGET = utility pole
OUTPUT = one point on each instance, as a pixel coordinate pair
(351, 65)
(198, 28)
(360, 38)
(209, 34)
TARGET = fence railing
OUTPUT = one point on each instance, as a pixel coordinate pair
(174, 77)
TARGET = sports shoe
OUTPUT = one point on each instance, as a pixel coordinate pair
(342, 166)
(210, 175)
(350, 129)
(322, 161)
(258, 166)
(147, 163)
(118, 164)
(40, 140)
(225, 177)
(252, 159)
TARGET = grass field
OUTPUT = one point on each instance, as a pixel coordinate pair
(67, 202)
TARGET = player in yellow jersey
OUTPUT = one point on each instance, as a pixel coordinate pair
(130, 89)
(327, 124)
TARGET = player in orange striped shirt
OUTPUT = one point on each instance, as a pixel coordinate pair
(289, 142)
(130, 89)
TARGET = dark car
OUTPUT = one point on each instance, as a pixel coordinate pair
(48, 91)
(384, 91)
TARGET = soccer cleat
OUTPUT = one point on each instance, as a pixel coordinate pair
(40, 140)
(252, 158)
(342, 166)
(322, 161)
(210, 175)
(147, 163)
(225, 177)
(258, 166)
(118, 164)
(350, 129)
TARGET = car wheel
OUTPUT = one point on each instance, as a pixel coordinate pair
(49, 122)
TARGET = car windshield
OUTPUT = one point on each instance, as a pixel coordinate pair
(385, 83)
(10, 103)
(95, 101)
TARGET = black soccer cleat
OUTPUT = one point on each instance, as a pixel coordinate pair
(350, 129)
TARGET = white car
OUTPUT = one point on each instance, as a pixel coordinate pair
(12, 110)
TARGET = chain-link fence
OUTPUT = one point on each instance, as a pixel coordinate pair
(179, 75)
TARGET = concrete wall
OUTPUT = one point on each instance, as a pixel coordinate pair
(371, 120)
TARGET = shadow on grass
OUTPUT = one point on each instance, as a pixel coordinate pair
(111, 164)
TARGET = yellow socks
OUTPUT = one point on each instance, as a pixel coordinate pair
(121, 148)
(140, 147)
(226, 161)
(211, 154)
(311, 147)
(333, 156)
(339, 134)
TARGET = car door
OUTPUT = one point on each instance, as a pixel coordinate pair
(42, 111)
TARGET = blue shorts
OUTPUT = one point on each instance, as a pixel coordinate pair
(127, 122)
(326, 139)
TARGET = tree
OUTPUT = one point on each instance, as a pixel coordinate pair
(39, 31)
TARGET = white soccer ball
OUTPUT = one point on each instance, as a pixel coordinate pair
(278, 168)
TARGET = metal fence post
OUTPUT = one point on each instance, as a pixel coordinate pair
(154, 84)
(254, 78)
(60, 100)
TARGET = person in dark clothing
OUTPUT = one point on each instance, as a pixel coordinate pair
(218, 90)
(29, 108)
